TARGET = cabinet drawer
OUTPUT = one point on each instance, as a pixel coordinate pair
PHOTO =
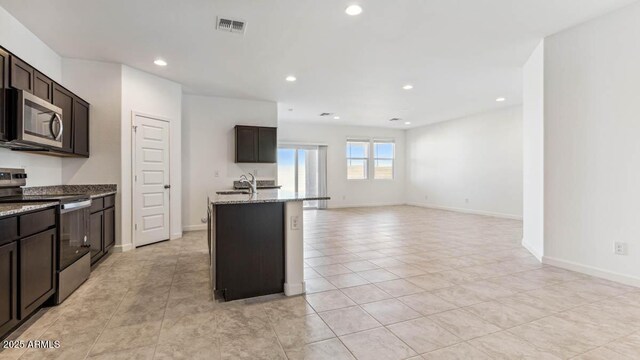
(36, 222)
(109, 201)
(8, 230)
(97, 204)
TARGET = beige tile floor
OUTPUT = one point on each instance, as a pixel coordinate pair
(383, 283)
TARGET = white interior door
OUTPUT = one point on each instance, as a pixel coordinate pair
(151, 180)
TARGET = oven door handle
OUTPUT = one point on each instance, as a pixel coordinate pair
(75, 206)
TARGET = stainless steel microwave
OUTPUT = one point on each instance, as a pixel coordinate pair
(37, 122)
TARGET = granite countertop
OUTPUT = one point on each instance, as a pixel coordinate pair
(264, 196)
(95, 191)
(97, 194)
(20, 208)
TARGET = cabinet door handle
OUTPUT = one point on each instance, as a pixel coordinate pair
(167, 186)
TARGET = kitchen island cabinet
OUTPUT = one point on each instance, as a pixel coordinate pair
(256, 243)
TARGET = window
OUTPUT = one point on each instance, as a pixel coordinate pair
(357, 159)
(383, 156)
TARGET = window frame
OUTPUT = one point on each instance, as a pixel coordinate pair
(367, 158)
(370, 159)
(392, 159)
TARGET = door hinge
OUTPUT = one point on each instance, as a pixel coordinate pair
(135, 177)
(136, 226)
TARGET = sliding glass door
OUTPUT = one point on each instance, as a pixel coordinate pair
(300, 170)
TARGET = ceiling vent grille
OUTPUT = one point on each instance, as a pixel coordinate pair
(231, 25)
(395, 119)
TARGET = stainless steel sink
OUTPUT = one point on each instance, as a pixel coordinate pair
(232, 192)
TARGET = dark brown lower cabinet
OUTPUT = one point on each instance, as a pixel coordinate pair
(37, 270)
(102, 234)
(96, 235)
(109, 228)
(249, 249)
(8, 287)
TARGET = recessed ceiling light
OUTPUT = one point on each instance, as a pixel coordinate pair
(291, 78)
(336, 117)
(160, 62)
(500, 99)
(408, 87)
(407, 122)
(353, 10)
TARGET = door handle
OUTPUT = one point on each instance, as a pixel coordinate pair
(56, 119)
(167, 186)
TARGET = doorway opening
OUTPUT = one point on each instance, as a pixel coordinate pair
(303, 169)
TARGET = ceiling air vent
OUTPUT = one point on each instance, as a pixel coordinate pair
(326, 114)
(395, 119)
(231, 25)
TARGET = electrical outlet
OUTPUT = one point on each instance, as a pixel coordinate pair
(295, 222)
(621, 248)
(216, 173)
(466, 200)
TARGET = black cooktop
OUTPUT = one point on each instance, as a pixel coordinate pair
(61, 198)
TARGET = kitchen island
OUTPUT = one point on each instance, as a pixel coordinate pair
(256, 243)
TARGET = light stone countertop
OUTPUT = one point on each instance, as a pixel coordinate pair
(263, 196)
(9, 209)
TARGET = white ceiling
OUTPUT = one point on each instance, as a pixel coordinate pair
(459, 54)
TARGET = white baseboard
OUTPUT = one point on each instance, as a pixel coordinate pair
(346, 206)
(176, 236)
(468, 211)
(532, 250)
(294, 289)
(194, 227)
(591, 270)
(122, 248)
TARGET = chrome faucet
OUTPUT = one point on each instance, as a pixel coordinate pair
(253, 183)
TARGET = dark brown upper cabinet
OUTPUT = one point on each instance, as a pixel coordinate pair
(80, 127)
(22, 75)
(256, 144)
(267, 145)
(17, 74)
(4, 83)
(42, 86)
(64, 99)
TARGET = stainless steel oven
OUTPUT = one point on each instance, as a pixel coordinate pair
(74, 231)
(74, 259)
(37, 122)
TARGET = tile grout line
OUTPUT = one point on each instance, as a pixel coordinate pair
(155, 348)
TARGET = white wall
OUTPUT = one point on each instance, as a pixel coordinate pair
(150, 95)
(343, 192)
(208, 148)
(533, 152)
(478, 158)
(15, 37)
(81, 76)
(592, 151)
